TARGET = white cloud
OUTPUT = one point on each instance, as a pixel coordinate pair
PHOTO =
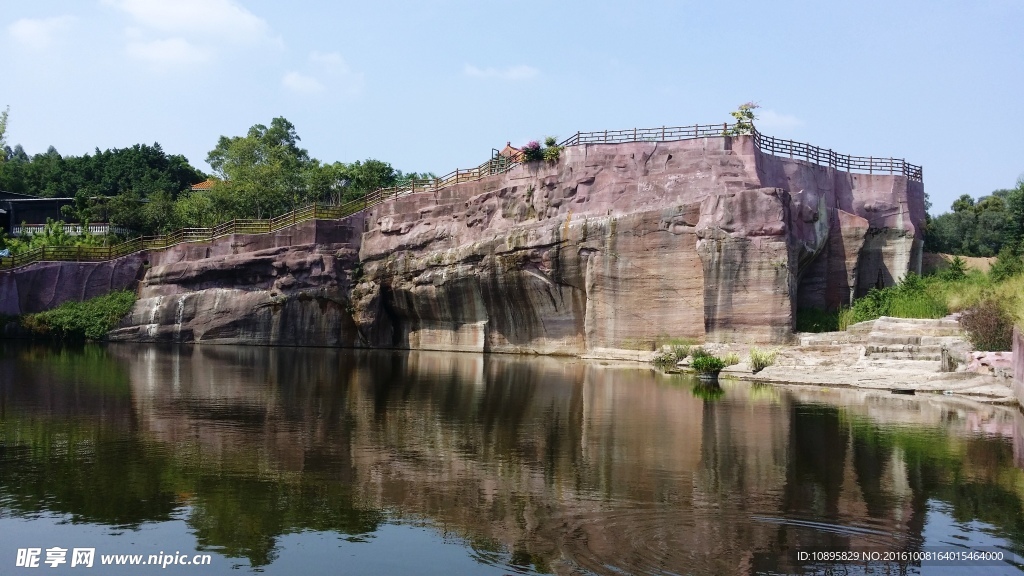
(325, 71)
(223, 19)
(520, 72)
(39, 34)
(772, 120)
(182, 32)
(298, 82)
(173, 51)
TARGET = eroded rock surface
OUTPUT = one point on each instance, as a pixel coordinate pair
(616, 247)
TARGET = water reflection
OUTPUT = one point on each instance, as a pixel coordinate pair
(526, 464)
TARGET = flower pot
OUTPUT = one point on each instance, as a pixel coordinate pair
(708, 377)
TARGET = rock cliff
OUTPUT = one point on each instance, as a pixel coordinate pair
(614, 247)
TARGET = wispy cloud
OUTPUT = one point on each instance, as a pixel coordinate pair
(302, 84)
(772, 120)
(520, 72)
(169, 51)
(188, 31)
(324, 71)
(41, 33)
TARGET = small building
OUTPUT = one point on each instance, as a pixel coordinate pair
(203, 186)
(18, 208)
(511, 152)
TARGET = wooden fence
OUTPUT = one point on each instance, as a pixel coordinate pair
(496, 165)
(766, 144)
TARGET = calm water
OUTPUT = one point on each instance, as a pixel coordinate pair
(301, 461)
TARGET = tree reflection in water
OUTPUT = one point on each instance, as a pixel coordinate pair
(535, 464)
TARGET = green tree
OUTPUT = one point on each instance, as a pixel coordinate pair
(3, 134)
(262, 173)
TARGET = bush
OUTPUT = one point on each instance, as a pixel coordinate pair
(676, 353)
(89, 320)
(908, 299)
(532, 151)
(761, 359)
(988, 325)
(731, 359)
(956, 271)
(1008, 264)
(699, 352)
(707, 364)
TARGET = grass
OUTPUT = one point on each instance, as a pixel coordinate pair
(931, 296)
(761, 359)
(88, 320)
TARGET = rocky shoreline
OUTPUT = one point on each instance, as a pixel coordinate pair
(890, 355)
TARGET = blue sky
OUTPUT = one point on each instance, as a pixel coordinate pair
(435, 85)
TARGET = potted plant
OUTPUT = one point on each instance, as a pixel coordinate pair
(707, 367)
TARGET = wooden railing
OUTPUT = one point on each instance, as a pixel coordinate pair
(496, 165)
(832, 159)
(766, 144)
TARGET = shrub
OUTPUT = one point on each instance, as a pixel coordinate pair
(698, 352)
(676, 353)
(956, 271)
(731, 359)
(988, 326)
(1008, 264)
(532, 151)
(551, 153)
(761, 359)
(908, 299)
(744, 116)
(707, 364)
(89, 320)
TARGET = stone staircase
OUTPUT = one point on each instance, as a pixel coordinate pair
(898, 355)
(906, 343)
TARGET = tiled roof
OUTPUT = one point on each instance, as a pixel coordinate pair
(204, 185)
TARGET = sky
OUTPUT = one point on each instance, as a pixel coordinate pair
(435, 85)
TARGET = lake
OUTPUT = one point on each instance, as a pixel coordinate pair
(326, 461)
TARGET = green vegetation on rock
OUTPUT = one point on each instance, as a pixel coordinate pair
(707, 364)
(88, 320)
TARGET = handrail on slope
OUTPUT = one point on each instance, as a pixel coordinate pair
(497, 164)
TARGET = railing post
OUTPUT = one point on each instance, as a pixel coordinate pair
(663, 133)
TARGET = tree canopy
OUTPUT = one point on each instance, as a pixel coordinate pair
(983, 227)
(259, 175)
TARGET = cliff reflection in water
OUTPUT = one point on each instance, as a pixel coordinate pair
(534, 463)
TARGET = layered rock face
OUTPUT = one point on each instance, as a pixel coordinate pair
(615, 247)
(290, 287)
(628, 245)
(46, 285)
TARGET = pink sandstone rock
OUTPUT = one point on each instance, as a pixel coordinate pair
(616, 246)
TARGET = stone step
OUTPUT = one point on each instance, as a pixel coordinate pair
(887, 348)
(833, 338)
(941, 340)
(893, 338)
(899, 365)
(926, 322)
(931, 357)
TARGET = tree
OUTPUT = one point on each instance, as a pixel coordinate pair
(977, 228)
(262, 173)
(3, 134)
